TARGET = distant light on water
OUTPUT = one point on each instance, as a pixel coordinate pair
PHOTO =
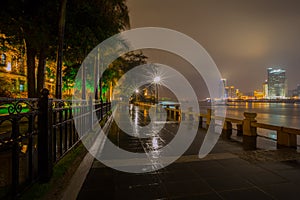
(273, 135)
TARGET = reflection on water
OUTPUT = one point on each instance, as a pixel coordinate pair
(280, 114)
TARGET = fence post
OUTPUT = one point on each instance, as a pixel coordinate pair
(106, 107)
(249, 132)
(91, 113)
(15, 157)
(101, 109)
(45, 164)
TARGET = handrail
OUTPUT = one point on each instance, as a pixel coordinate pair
(286, 136)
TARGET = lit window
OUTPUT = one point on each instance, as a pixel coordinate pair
(8, 67)
(3, 59)
(21, 88)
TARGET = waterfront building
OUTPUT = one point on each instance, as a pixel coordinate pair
(277, 83)
(258, 94)
(238, 93)
(265, 89)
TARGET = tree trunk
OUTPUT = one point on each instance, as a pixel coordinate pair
(41, 72)
(31, 72)
(61, 29)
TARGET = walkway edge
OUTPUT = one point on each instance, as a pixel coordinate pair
(82, 171)
(78, 178)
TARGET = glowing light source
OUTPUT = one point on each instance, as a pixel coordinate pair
(156, 79)
(136, 91)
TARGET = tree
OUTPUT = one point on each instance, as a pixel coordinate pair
(110, 76)
(88, 23)
(119, 67)
(35, 23)
(30, 22)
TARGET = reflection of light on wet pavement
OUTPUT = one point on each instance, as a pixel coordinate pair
(154, 143)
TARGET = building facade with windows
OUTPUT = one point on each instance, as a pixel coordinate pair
(277, 83)
(13, 69)
(13, 72)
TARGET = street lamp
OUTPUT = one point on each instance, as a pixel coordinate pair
(136, 95)
(156, 80)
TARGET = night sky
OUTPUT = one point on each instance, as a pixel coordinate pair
(244, 37)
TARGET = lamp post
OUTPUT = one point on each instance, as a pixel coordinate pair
(156, 81)
(136, 95)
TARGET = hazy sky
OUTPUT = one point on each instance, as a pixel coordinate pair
(244, 37)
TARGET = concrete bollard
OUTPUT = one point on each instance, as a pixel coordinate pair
(249, 132)
(208, 117)
(239, 129)
(177, 113)
(227, 130)
(190, 114)
(200, 122)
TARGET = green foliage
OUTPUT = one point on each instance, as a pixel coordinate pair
(69, 75)
(121, 66)
(36, 22)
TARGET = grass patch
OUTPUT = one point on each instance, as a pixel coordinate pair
(62, 173)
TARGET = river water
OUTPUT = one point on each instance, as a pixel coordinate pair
(279, 114)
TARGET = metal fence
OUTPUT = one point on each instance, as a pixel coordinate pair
(36, 133)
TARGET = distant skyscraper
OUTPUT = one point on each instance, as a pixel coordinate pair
(277, 83)
(222, 86)
(231, 92)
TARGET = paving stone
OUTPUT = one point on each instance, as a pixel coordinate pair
(222, 175)
(245, 194)
(283, 191)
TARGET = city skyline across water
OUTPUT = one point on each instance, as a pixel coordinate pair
(244, 38)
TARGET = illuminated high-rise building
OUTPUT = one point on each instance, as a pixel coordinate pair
(222, 86)
(277, 83)
(231, 92)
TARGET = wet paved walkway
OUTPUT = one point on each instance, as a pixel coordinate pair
(220, 175)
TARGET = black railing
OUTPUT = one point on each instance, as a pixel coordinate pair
(36, 133)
